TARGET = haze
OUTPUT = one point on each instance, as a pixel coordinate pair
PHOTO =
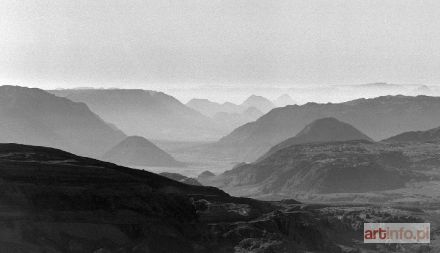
(186, 47)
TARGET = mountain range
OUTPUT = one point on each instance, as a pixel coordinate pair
(378, 118)
(230, 115)
(210, 108)
(33, 116)
(327, 156)
(153, 115)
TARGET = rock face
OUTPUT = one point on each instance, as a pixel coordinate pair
(53, 201)
(153, 115)
(378, 118)
(34, 116)
(180, 178)
(322, 130)
(332, 167)
(138, 151)
(432, 135)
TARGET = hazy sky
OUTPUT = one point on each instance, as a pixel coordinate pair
(165, 44)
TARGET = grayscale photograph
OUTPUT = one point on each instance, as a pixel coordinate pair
(220, 126)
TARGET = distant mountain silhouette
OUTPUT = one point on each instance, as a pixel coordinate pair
(330, 167)
(261, 103)
(233, 120)
(432, 135)
(138, 151)
(33, 116)
(150, 114)
(322, 130)
(227, 115)
(378, 118)
(284, 100)
(206, 174)
(210, 108)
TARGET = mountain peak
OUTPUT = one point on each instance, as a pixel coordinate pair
(261, 103)
(284, 100)
(138, 151)
(327, 129)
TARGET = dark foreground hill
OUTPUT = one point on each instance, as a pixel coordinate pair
(138, 151)
(36, 117)
(53, 201)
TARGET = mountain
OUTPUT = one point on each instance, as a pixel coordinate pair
(331, 167)
(227, 115)
(206, 174)
(209, 108)
(53, 201)
(153, 115)
(34, 116)
(432, 135)
(180, 178)
(378, 118)
(138, 151)
(322, 130)
(284, 100)
(233, 120)
(261, 103)
(252, 113)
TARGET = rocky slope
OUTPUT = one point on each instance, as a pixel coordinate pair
(138, 151)
(332, 167)
(34, 116)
